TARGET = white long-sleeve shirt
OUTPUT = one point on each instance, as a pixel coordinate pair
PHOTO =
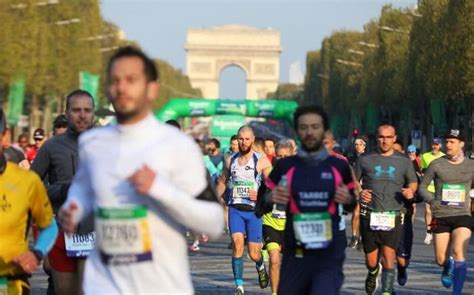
(108, 156)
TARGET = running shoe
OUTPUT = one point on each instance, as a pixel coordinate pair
(239, 290)
(447, 274)
(402, 276)
(263, 277)
(428, 239)
(195, 246)
(371, 282)
(353, 243)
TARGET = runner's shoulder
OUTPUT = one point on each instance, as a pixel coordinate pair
(285, 164)
(27, 176)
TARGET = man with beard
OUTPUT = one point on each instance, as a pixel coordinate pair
(56, 163)
(143, 195)
(314, 247)
(387, 178)
(23, 199)
(242, 175)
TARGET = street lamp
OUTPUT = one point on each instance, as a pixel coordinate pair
(349, 63)
(371, 45)
(67, 21)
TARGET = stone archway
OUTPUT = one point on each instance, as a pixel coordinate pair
(255, 51)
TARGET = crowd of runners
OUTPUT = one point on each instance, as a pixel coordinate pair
(109, 207)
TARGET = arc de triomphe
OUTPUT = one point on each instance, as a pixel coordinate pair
(255, 51)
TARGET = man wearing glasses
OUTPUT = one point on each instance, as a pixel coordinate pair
(384, 174)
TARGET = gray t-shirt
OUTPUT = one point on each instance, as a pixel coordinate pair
(385, 176)
(451, 180)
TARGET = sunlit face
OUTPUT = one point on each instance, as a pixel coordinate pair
(435, 148)
(246, 139)
(269, 147)
(359, 147)
(386, 137)
(23, 142)
(283, 153)
(234, 146)
(329, 142)
(310, 131)
(212, 148)
(80, 114)
(454, 146)
(129, 91)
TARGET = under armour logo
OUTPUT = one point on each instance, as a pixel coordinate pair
(380, 172)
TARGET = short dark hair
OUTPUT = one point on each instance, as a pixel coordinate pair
(173, 123)
(234, 137)
(269, 139)
(311, 109)
(151, 71)
(78, 92)
(215, 141)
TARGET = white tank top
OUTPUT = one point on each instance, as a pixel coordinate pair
(242, 179)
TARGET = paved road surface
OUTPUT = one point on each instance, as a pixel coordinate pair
(212, 273)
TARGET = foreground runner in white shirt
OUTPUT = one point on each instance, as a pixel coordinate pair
(143, 179)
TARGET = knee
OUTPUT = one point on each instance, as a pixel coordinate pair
(440, 260)
(255, 255)
(275, 261)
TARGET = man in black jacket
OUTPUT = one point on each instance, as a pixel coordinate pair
(56, 164)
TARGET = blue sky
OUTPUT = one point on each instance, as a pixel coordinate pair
(160, 26)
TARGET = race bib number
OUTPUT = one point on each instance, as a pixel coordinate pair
(3, 286)
(241, 192)
(453, 195)
(79, 245)
(123, 235)
(382, 221)
(314, 230)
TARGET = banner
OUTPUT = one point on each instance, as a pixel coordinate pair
(16, 98)
(90, 83)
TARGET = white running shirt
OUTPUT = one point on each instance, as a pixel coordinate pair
(108, 156)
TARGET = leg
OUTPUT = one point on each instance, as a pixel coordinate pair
(255, 251)
(355, 221)
(65, 283)
(460, 241)
(237, 230)
(388, 273)
(81, 263)
(428, 221)
(441, 246)
(274, 268)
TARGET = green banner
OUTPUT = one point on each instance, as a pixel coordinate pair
(16, 98)
(226, 125)
(90, 83)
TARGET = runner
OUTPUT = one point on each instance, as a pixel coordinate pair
(451, 207)
(387, 178)
(241, 179)
(142, 179)
(273, 222)
(314, 247)
(426, 159)
(23, 199)
(40, 137)
(215, 159)
(360, 145)
(12, 153)
(56, 163)
(60, 124)
(269, 149)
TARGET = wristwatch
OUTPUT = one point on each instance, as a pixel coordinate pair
(38, 254)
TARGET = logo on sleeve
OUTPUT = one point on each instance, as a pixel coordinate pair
(326, 176)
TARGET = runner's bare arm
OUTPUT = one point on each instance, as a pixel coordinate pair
(425, 181)
(264, 166)
(223, 178)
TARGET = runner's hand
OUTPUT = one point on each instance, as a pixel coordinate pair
(67, 217)
(253, 194)
(366, 196)
(280, 196)
(143, 179)
(342, 195)
(408, 193)
(27, 261)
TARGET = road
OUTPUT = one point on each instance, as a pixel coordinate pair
(212, 272)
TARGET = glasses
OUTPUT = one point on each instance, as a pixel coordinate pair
(386, 137)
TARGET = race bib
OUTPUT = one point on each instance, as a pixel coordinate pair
(382, 221)
(3, 286)
(241, 192)
(277, 213)
(314, 230)
(123, 235)
(79, 245)
(453, 195)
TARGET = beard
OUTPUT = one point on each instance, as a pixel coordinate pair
(311, 148)
(245, 151)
